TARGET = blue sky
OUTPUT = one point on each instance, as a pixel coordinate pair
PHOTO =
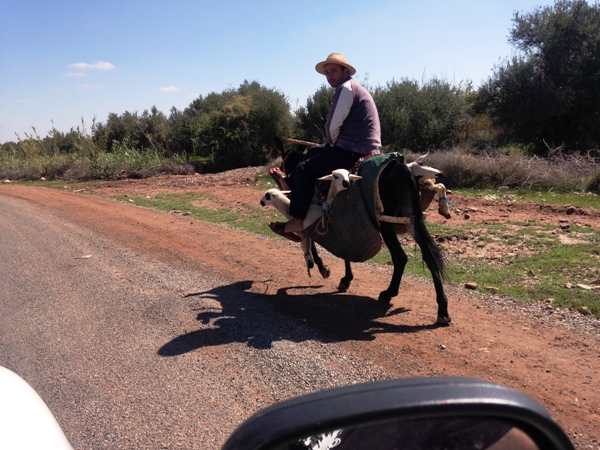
(61, 61)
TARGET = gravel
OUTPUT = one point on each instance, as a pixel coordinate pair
(129, 352)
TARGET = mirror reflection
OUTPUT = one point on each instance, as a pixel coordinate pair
(430, 434)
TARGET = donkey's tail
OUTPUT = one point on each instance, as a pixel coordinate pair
(432, 253)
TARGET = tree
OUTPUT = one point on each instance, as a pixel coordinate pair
(419, 117)
(311, 119)
(411, 116)
(549, 93)
(120, 129)
(180, 140)
(237, 127)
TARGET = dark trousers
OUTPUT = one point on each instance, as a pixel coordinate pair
(318, 162)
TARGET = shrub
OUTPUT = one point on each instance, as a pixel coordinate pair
(593, 185)
(421, 117)
(236, 128)
(564, 173)
(548, 90)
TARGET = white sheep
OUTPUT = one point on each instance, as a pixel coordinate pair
(280, 201)
(426, 176)
(340, 180)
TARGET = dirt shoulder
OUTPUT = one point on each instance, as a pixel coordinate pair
(551, 355)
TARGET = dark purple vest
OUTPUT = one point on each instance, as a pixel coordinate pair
(360, 132)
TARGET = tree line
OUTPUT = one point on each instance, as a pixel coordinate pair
(546, 96)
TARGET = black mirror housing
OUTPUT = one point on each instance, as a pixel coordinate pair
(463, 402)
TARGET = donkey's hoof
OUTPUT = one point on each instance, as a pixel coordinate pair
(443, 320)
(324, 271)
(384, 297)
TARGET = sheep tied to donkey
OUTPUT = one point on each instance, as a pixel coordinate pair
(350, 229)
(346, 229)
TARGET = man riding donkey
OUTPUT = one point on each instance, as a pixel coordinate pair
(353, 132)
(355, 228)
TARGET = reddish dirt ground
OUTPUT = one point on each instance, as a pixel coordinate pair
(551, 355)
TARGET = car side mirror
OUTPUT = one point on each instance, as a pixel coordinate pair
(416, 413)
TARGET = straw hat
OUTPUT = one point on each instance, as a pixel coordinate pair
(335, 58)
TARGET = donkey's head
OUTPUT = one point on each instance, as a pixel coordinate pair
(291, 155)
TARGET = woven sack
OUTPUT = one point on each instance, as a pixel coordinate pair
(347, 230)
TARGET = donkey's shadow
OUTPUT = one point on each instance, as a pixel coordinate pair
(238, 313)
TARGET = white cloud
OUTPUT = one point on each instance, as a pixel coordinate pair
(90, 87)
(98, 65)
(169, 89)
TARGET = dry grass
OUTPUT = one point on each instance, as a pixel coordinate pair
(564, 173)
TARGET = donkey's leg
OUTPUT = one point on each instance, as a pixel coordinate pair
(443, 317)
(399, 259)
(323, 269)
(348, 277)
(433, 258)
(306, 246)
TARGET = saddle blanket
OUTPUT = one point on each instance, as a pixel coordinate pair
(370, 170)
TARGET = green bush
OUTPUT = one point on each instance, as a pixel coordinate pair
(433, 115)
(593, 185)
(310, 120)
(237, 127)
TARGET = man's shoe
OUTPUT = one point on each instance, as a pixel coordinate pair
(279, 178)
(279, 228)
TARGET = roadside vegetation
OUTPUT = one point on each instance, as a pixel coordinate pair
(533, 127)
(528, 262)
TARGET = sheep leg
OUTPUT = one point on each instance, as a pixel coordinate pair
(443, 208)
(314, 213)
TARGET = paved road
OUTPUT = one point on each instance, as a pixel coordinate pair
(130, 352)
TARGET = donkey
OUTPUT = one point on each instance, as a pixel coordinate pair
(400, 198)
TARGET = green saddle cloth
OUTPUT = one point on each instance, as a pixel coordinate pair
(369, 170)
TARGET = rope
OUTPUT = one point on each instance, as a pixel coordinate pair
(450, 203)
(397, 220)
(324, 223)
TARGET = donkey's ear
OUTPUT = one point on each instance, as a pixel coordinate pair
(279, 145)
(326, 178)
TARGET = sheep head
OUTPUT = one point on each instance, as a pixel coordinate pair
(273, 196)
(340, 179)
(420, 170)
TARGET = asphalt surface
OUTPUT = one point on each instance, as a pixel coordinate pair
(133, 353)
